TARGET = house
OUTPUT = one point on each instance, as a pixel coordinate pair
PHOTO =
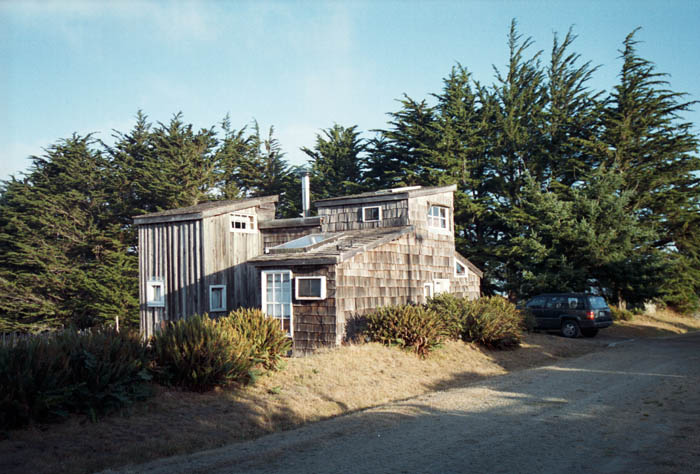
(315, 274)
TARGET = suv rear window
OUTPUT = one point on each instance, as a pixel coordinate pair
(597, 302)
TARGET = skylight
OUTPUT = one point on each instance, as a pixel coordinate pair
(302, 243)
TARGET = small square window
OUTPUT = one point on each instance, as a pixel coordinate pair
(310, 288)
(428, 290)
(217, 298)
(438, 217)
(242, 223)
(371, 214)
(155, 294)
(441, 285)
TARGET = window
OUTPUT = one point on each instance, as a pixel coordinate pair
(460, 270)
(371, 214)
(597, 302)
(557, 302)
(441, 285)
(155, 294)
(310, 288)
(437, 217)
(428, 290)
(217, 298)
(537, 302)
(277, 297)
(242, 223)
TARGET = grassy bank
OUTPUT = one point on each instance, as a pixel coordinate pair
(327, 384)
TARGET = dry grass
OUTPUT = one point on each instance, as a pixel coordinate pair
(327, 384)
(663, 323)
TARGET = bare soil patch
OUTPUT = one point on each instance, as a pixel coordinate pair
(327, 384)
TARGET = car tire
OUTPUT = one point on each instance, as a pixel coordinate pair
(569, 328)
(589, 332)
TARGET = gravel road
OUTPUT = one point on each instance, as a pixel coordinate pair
(634, 407)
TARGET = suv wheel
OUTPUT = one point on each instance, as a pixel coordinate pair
(589, 332)
(569, 328)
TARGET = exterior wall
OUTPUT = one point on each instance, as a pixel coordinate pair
(189, 256)
(418, 210)
(225, 254)
(172, 253)
(313, 321)
(395, 273)
(349, 216)
(468, 285)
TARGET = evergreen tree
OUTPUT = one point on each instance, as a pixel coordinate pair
(336, 162)
(399, 156)
(180, 169)
(61, 259)
(656, 153)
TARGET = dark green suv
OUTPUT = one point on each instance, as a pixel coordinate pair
(571, 313)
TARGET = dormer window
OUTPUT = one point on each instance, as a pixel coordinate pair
(438, 217)
(371, 214)
(242, 223)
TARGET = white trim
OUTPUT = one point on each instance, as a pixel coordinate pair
(245, 223)
(155, 299)
(429, 287)
(441, 285)
(223, 297)
(466, 270)
(372, 220)
(315, 277)
(265, 302)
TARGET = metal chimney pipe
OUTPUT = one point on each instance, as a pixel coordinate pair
(306, 194)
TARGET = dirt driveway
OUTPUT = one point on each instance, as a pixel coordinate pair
(632, 408)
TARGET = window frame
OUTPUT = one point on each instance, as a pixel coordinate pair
(151, 302)
(250, 220)
(439, 285)
(442, 220)
(322, 278)
(379, 213)
(429, 286)
(212, 288)
(264, 302)
(466, 270)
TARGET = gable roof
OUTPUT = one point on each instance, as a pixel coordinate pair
(206, 209)
(338, 247)
(395, 194)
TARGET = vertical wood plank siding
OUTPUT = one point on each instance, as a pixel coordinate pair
(225, 257)
(173, 253)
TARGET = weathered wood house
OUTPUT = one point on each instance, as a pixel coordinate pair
(315, 274)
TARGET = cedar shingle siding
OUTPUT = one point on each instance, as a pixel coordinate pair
(366, 265)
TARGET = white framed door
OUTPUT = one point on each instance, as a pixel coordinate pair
(277, 297)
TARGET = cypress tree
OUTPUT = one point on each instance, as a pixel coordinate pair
(336, 162)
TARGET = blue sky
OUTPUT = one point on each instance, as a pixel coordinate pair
(68, 66)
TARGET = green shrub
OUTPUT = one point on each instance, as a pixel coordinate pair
(619, 314)
(450, 309)
(109, 369)
(493, 322)
(490, 321)
(34, 382)
(199, 354)
(269, 342)
(414, 328)
(95, 372)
